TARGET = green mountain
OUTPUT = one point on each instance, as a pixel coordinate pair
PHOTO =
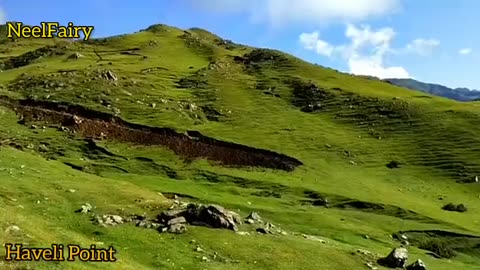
(460, 94)
(344, 168)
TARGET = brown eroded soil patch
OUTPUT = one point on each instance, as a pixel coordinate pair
(192, 145)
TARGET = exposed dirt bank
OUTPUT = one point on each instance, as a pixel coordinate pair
(94, 124)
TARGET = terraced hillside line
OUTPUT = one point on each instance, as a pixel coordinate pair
(91, 123)
(444, 141)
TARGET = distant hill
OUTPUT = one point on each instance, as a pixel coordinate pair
(460, 94)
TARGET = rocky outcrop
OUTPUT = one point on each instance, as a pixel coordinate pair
(396, 259)
(213, 216)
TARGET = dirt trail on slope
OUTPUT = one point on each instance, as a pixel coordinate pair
(193, 145)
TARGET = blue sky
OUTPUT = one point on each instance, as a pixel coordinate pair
(429, 40)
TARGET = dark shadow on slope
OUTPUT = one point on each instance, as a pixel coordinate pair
(311, 197)
(95, 168)
(382, 209)
(444, 244)
(30, 57)
(93, 149)
(149, 165)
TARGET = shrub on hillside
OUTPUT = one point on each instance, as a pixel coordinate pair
(456, 208)
(439, 247)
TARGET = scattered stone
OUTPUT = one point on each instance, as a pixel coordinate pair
(243, 233)
(270, 225)
(43, 148)
(109, 75)
(86, 208)
(76, 55)
(198, 249)
(396, 259)
(263, 230)
(371, 266)
(255, 217)
(328, 145)
(365, 252)
(177, 220)
(249, 221)
(313, 238)
(110, 220)
(393, 165)
(405, 243)
(13, 229)
(205, 259)
(178, 228)
(417, 265)
(71, 190)
(191, 107)
(366, 237)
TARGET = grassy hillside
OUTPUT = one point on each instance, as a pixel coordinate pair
(345, 130)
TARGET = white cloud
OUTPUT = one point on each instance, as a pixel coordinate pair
(280, 12)
(372, 62)
(422, 46)
(375, 67)
(365, 52)
(312, 41)
(465, 51)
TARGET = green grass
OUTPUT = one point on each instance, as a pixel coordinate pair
(434, 139)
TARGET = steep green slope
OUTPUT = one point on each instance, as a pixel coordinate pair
(344, 129)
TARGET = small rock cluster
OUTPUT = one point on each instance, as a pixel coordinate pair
(108, 75)
(181, 214)
(85, 209)
(174, 220)
(109, 220)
